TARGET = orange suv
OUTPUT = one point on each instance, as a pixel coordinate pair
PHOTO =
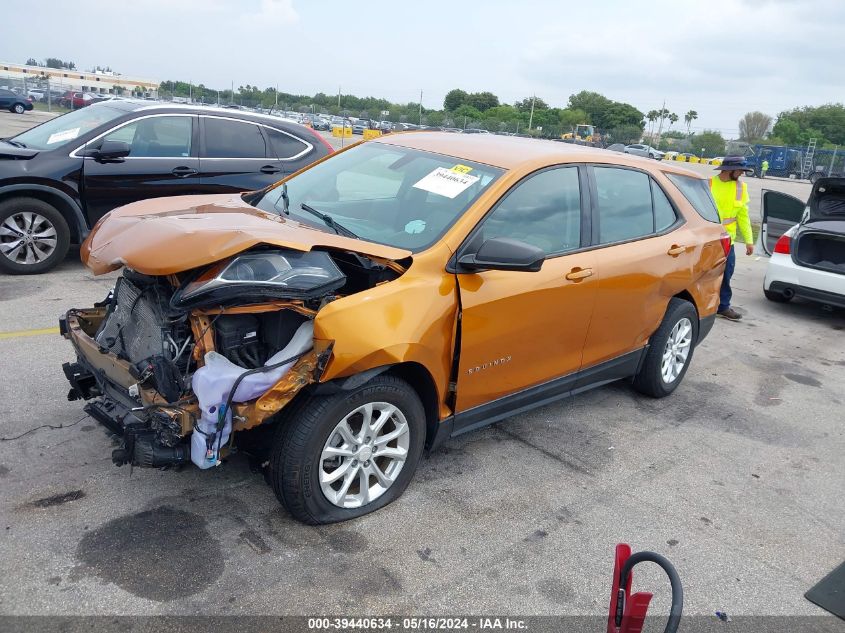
(386, 298)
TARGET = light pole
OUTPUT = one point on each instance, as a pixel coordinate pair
(421, 108)
(531, 116)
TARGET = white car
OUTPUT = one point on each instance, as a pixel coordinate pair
(646, 151)
(807, 244)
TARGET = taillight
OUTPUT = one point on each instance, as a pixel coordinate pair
(726, 243)
(783, 245)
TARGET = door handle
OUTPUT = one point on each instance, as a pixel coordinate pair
(676, 250)
(181, 172)
(270, 169)
(577, 274)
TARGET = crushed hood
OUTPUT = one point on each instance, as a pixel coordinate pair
(163, 236)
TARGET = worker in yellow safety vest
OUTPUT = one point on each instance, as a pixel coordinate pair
(731, 197)
(764, 167)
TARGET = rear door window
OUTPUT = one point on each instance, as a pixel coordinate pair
(225, 138)
(664, 212)
(624, 202)
(697, 193)
(285, 146)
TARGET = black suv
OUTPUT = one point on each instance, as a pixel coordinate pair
(59, 178)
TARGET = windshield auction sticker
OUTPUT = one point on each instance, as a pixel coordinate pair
(445, 182)
(66, 135)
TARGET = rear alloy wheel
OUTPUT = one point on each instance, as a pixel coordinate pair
(18, 108)
(347, 454)
(670, 351)
(34, 237)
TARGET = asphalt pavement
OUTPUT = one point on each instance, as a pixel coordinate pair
(737, 478)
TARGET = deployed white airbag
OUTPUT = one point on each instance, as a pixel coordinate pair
(213, 382)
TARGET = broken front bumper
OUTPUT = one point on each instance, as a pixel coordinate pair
(155, 433)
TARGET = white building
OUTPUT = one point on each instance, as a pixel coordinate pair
(21, 75)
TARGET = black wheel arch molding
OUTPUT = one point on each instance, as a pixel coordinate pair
(64, 203)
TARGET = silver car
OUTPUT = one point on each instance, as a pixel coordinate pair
(644, 150)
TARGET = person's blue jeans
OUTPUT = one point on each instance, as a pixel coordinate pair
(725, 292)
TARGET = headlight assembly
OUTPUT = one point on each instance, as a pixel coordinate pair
(260, 275)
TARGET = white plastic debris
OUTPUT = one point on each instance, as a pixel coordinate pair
(213, 382)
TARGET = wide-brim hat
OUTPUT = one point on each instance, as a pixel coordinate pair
(734, 163)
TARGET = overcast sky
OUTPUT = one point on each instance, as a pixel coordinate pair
(721, 58)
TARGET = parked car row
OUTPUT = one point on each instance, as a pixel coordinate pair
(59, 178)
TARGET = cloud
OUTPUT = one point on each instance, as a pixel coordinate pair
(271, 14)
(731, 57)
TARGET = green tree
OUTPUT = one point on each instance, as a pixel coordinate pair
(454, 99)
(589, 102)
(467, 113)
(435, 118)
(825, 123)
(626, 134)
(31, 62)
(482, 100)
(620, 114)
(711, 141)
(525, 104)
(570, 117)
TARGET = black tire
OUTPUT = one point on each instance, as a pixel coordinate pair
(777, 297)
(649, 380)
(14, 206)
(297, 446)
(18, 108)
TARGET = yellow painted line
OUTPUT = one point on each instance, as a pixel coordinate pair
(19, 333)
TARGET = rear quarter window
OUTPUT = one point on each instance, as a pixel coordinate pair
(697, 193)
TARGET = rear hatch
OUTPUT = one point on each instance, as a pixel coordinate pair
(820, 241)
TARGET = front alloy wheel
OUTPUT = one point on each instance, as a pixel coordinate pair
(343, 455)
(34, 236)
(27, 238)
(364, 455)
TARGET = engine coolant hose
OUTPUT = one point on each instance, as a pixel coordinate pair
(674, 580)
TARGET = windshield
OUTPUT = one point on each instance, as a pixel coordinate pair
(63, 129)
(391, 195)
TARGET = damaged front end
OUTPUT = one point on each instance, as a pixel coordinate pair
(177, 364)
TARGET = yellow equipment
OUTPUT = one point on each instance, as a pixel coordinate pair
(583, 132)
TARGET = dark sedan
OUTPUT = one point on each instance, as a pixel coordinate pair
(59, 178)
(13, 102)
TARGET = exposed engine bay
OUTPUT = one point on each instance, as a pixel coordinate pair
(177, 364)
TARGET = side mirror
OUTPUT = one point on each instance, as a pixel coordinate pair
(504, 253)
(109, 152)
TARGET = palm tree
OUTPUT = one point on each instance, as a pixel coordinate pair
(689, 117)
(652, 117)
(673, 118)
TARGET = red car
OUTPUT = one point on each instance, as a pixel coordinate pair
(76, 100)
